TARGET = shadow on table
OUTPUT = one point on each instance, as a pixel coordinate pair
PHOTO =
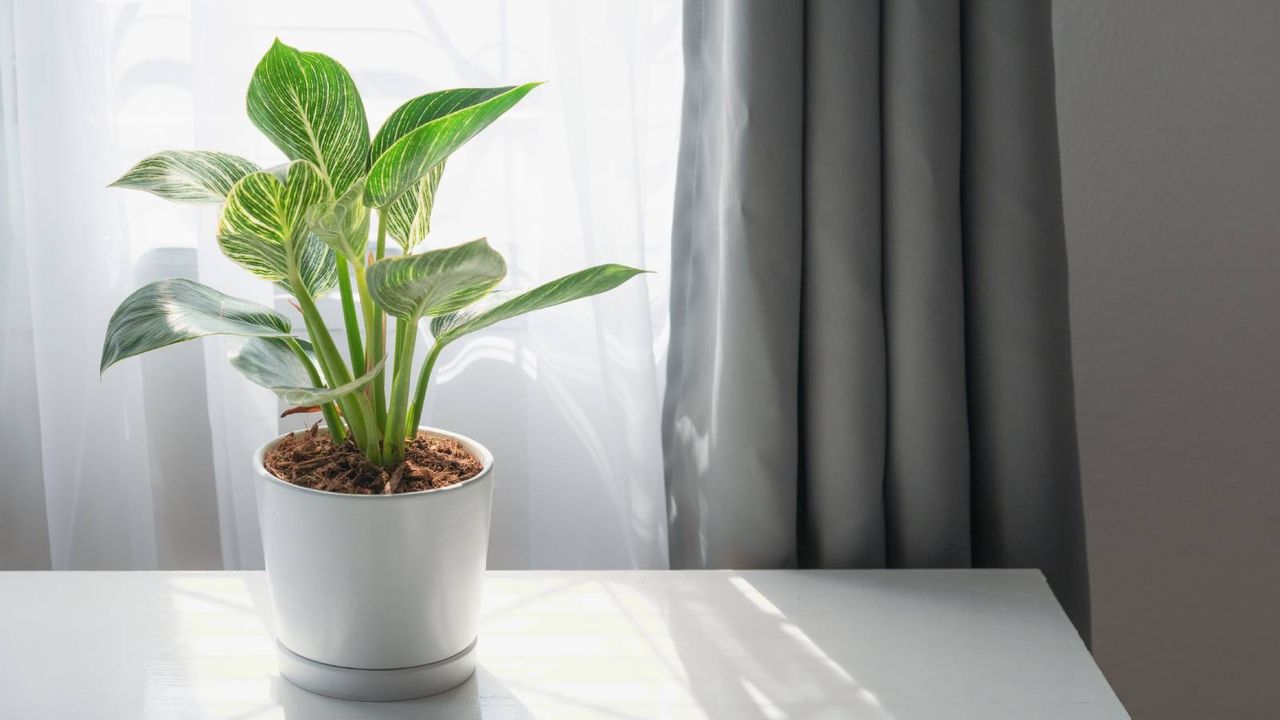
(708, 645)
(482, 691)
(744, 654)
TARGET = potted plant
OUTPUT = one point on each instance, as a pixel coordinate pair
(374, 528)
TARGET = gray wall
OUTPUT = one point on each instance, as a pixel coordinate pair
(1170, 128)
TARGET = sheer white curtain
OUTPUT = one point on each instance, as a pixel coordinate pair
(150, 467)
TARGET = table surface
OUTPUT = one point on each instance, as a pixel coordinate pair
(890, 644)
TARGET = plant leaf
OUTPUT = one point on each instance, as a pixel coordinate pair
(409, 216)
(270, 363)
(573, 286)
(320, 396)
(262, 228)
(308, 105)
(436, 282)
(170, 311)
(343, 224)
(423, 109)
(441, 123)
(302, 410)
(196, 177)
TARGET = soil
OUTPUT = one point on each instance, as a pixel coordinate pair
(310, 459)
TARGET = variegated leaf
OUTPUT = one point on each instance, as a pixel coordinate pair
(436, 282)
(409, 216)
(423, 109)
(308, 105)
(573, 286)
(170, 311)
(441, 123)
(343, 224)
(196, 177)
(270, 363)
(263, 228)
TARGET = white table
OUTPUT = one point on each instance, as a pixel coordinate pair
(766, 644)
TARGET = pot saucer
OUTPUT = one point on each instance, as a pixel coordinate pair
(377, 685)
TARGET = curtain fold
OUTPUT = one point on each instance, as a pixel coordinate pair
(870, 354)
(92, 441)
(24, 527)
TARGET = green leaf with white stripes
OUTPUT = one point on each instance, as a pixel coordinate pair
(343, 224)
(423, 109)
(426, 130)
(196, 177)
(573, 286)
(170, 311)
(409, 216)
(263, 228)
(267, 362)
(436, 282)
(270, 363)
(308, 105)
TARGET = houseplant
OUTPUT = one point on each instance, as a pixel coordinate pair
(375, 528)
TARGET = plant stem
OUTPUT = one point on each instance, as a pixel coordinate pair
(330, 381)
(351, 324)
(393, 435)
(378, 337)
(382, 236)
(372, 319)
(420, 395)
(399, 340)
(336, 429)
(398, 349)
(355, 406)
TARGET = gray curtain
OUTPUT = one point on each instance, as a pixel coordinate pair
(870, 359)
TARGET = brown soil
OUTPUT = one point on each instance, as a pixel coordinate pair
(310, 459)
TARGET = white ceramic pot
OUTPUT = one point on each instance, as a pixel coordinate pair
(376, 597)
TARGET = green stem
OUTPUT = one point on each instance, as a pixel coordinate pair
(349, 318)
(420, 394)
(372, 319)
(393, 434)
(331, 381)
(382, 236)
(398, 349)
(354, 406)
(378, 339)
(399, 340)
(336, 429)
